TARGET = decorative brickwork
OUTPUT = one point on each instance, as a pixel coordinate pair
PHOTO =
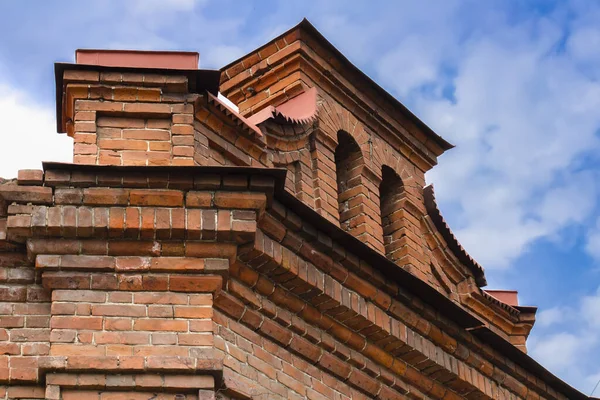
(213, 254)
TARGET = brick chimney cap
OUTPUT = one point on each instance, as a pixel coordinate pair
(509, 297)
(138, 58)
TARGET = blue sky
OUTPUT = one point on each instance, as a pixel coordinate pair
(513, 83)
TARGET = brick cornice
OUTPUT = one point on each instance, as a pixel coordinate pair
(331, 313)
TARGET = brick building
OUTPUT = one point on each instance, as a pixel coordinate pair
(282, 248)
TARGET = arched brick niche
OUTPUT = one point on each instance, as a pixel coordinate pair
(349, 164)
(391, 195)
(358, 200)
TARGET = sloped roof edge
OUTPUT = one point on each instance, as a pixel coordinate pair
(306, 26)
(453, 244)
(237, 118)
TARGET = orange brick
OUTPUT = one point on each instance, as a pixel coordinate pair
(30, 177)
(59, 322)
(193, 312)
(163, 198)
(148, 108)
(160, 325)
(146, 134)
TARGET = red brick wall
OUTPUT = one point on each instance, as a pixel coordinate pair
(200, 283)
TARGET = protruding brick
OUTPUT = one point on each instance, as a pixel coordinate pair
(30, 177)
(26, 194)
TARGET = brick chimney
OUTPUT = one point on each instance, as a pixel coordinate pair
(131, 107)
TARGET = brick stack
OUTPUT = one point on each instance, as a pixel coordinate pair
(196, 252)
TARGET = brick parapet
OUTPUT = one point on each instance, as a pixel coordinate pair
(378, 150)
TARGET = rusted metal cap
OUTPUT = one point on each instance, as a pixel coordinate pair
(138, 58)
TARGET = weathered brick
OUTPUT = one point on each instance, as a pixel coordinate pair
(105, 197)
(26, 194)
(198, 199)
(30, 177)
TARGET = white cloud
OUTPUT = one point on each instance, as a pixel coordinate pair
(570, 350)
(552, 316)
(592, 245)
(522, 114)
(410, 65)
(28, 132)
(559, 350)
(147, 25)
(591, 309)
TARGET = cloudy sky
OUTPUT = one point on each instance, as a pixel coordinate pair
(513, 83)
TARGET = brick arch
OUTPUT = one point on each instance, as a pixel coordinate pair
(349, 165)
(355, 210)
(391, 198)
(401, 218)
(385, 155)
(332, 118)
(364, 219)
